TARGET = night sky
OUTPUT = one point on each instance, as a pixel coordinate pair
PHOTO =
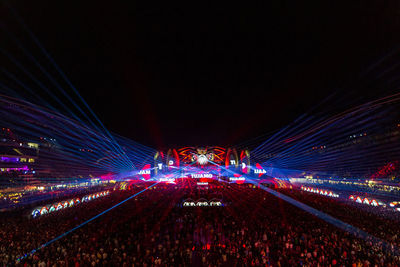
(206, 74)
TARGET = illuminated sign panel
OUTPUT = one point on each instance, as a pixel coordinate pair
(145, 172)
(244, 167)
(201, 175)
(259, 170)
(234, 179)
(167, 179)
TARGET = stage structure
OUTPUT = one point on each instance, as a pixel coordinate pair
(196, 161)
(211, 162)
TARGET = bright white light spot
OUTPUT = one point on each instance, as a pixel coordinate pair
(202, 159)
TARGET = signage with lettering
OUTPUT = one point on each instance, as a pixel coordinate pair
(201, 175)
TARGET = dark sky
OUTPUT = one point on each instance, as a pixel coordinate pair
(209, 74)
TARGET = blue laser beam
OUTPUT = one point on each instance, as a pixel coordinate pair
(321, 215)
(82, 224)
(330, 219)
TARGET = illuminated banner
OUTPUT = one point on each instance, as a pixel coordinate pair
(259, 170)
(146, 172)
(167, 179)
(234, 179)
(201, 175)
(244, 167)
(245, 161)
(141, 172)
(202, 183)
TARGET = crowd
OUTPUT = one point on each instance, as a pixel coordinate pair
(253, 228)
(378, 221)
